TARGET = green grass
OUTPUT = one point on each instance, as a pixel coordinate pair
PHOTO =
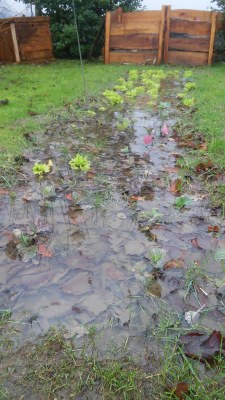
(40, 89)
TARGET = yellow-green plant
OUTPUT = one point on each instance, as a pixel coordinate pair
(80, 163)
(113, 97)
(40, 169)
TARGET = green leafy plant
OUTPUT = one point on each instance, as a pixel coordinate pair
(190, 86)
(80, 163)
(181, 202)
(150, 216)
(40, 169)
(113, 97)
(156, 255)
(188, 102)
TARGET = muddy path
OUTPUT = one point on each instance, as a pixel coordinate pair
(113, 246)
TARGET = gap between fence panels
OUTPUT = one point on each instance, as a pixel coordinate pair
(162, 36)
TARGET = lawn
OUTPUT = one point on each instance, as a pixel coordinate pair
(33, 91)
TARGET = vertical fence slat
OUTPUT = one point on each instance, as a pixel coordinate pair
(212, 37)
(167, 34)
(107, 36)
(15, 42)
(119, 14)
(161, 35)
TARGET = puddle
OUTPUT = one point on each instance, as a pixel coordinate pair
(108, 256)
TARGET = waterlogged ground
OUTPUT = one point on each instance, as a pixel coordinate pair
(108, 247)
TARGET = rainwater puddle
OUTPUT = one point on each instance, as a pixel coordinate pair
(107, 260)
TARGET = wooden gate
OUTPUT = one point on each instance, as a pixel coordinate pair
(169, 36)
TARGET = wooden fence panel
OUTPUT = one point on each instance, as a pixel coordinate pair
(169, 36)
(25, 39)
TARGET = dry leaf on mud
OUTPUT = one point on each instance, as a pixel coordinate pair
(4, 191)
(69, 196)
(203, 146)
(175, 186)
(174, 264)
(214, 229)
(43, 251)
(203, 167)
(137, 198)
(195, 243)
(172, 169)
(202, 347)
(179, 390)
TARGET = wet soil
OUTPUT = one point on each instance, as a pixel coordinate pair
(108, 247)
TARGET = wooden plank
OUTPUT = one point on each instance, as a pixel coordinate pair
(196, 15)
(132, 42)
(107, 37)
(189, 44)
(33, 36)
(161, 35)
(135, 28)
(141, 57)
(24, 19)
(119, 14)
(7, 53)
(15, 42)
(37, 55)
(167, 34)
(142, 16)
(212, 38)
(187, 58)
(190, 27)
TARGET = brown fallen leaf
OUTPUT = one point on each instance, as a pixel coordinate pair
(214, 229)
(43, 251)
(137, 198)
(172, 169)
(202, 347)
(174, 264)
(175, 186)
(195, 243)
(4, 191)
(204, 167)
(179, 390)
(203, 146)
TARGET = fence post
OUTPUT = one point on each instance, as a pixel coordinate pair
(15, 42)
(119, 14)
(167, 34)
(161, 35)
(212, 37)
(107, 36)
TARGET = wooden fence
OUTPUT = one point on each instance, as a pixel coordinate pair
(153, 37)
(25, 39)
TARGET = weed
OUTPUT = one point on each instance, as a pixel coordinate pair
(182, 202)
(122, 125)
(41, 169)
(156, 255)
(113, 97)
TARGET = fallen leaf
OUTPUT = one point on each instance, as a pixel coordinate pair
(43, 251)
(214, 229)
(204, 167)
(175, 186)
(121, 215)
(148, 139)
(195, 243)
(172, 169)
(179, 390)
(174, 264)
(137, 198)
(203, 146)
(190, 316)
(202, 347)
(165, 130)
(4, 191)
(69, 196)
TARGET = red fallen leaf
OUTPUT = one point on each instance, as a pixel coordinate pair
(202, 347)
(174, 264)
(43, 251)
(203, 167)
(172, 169)
(4, 191)
(195, 243)
(137, 198)
(189, 144)
(69, 196)
(203, 146)
(179, 390)
(175, 186)
(214, 229)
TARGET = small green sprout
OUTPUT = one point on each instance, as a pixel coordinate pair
(188, 102)
(188, 74)
(80, 162)
(40, 169)
(190, 86)
(181, 202)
